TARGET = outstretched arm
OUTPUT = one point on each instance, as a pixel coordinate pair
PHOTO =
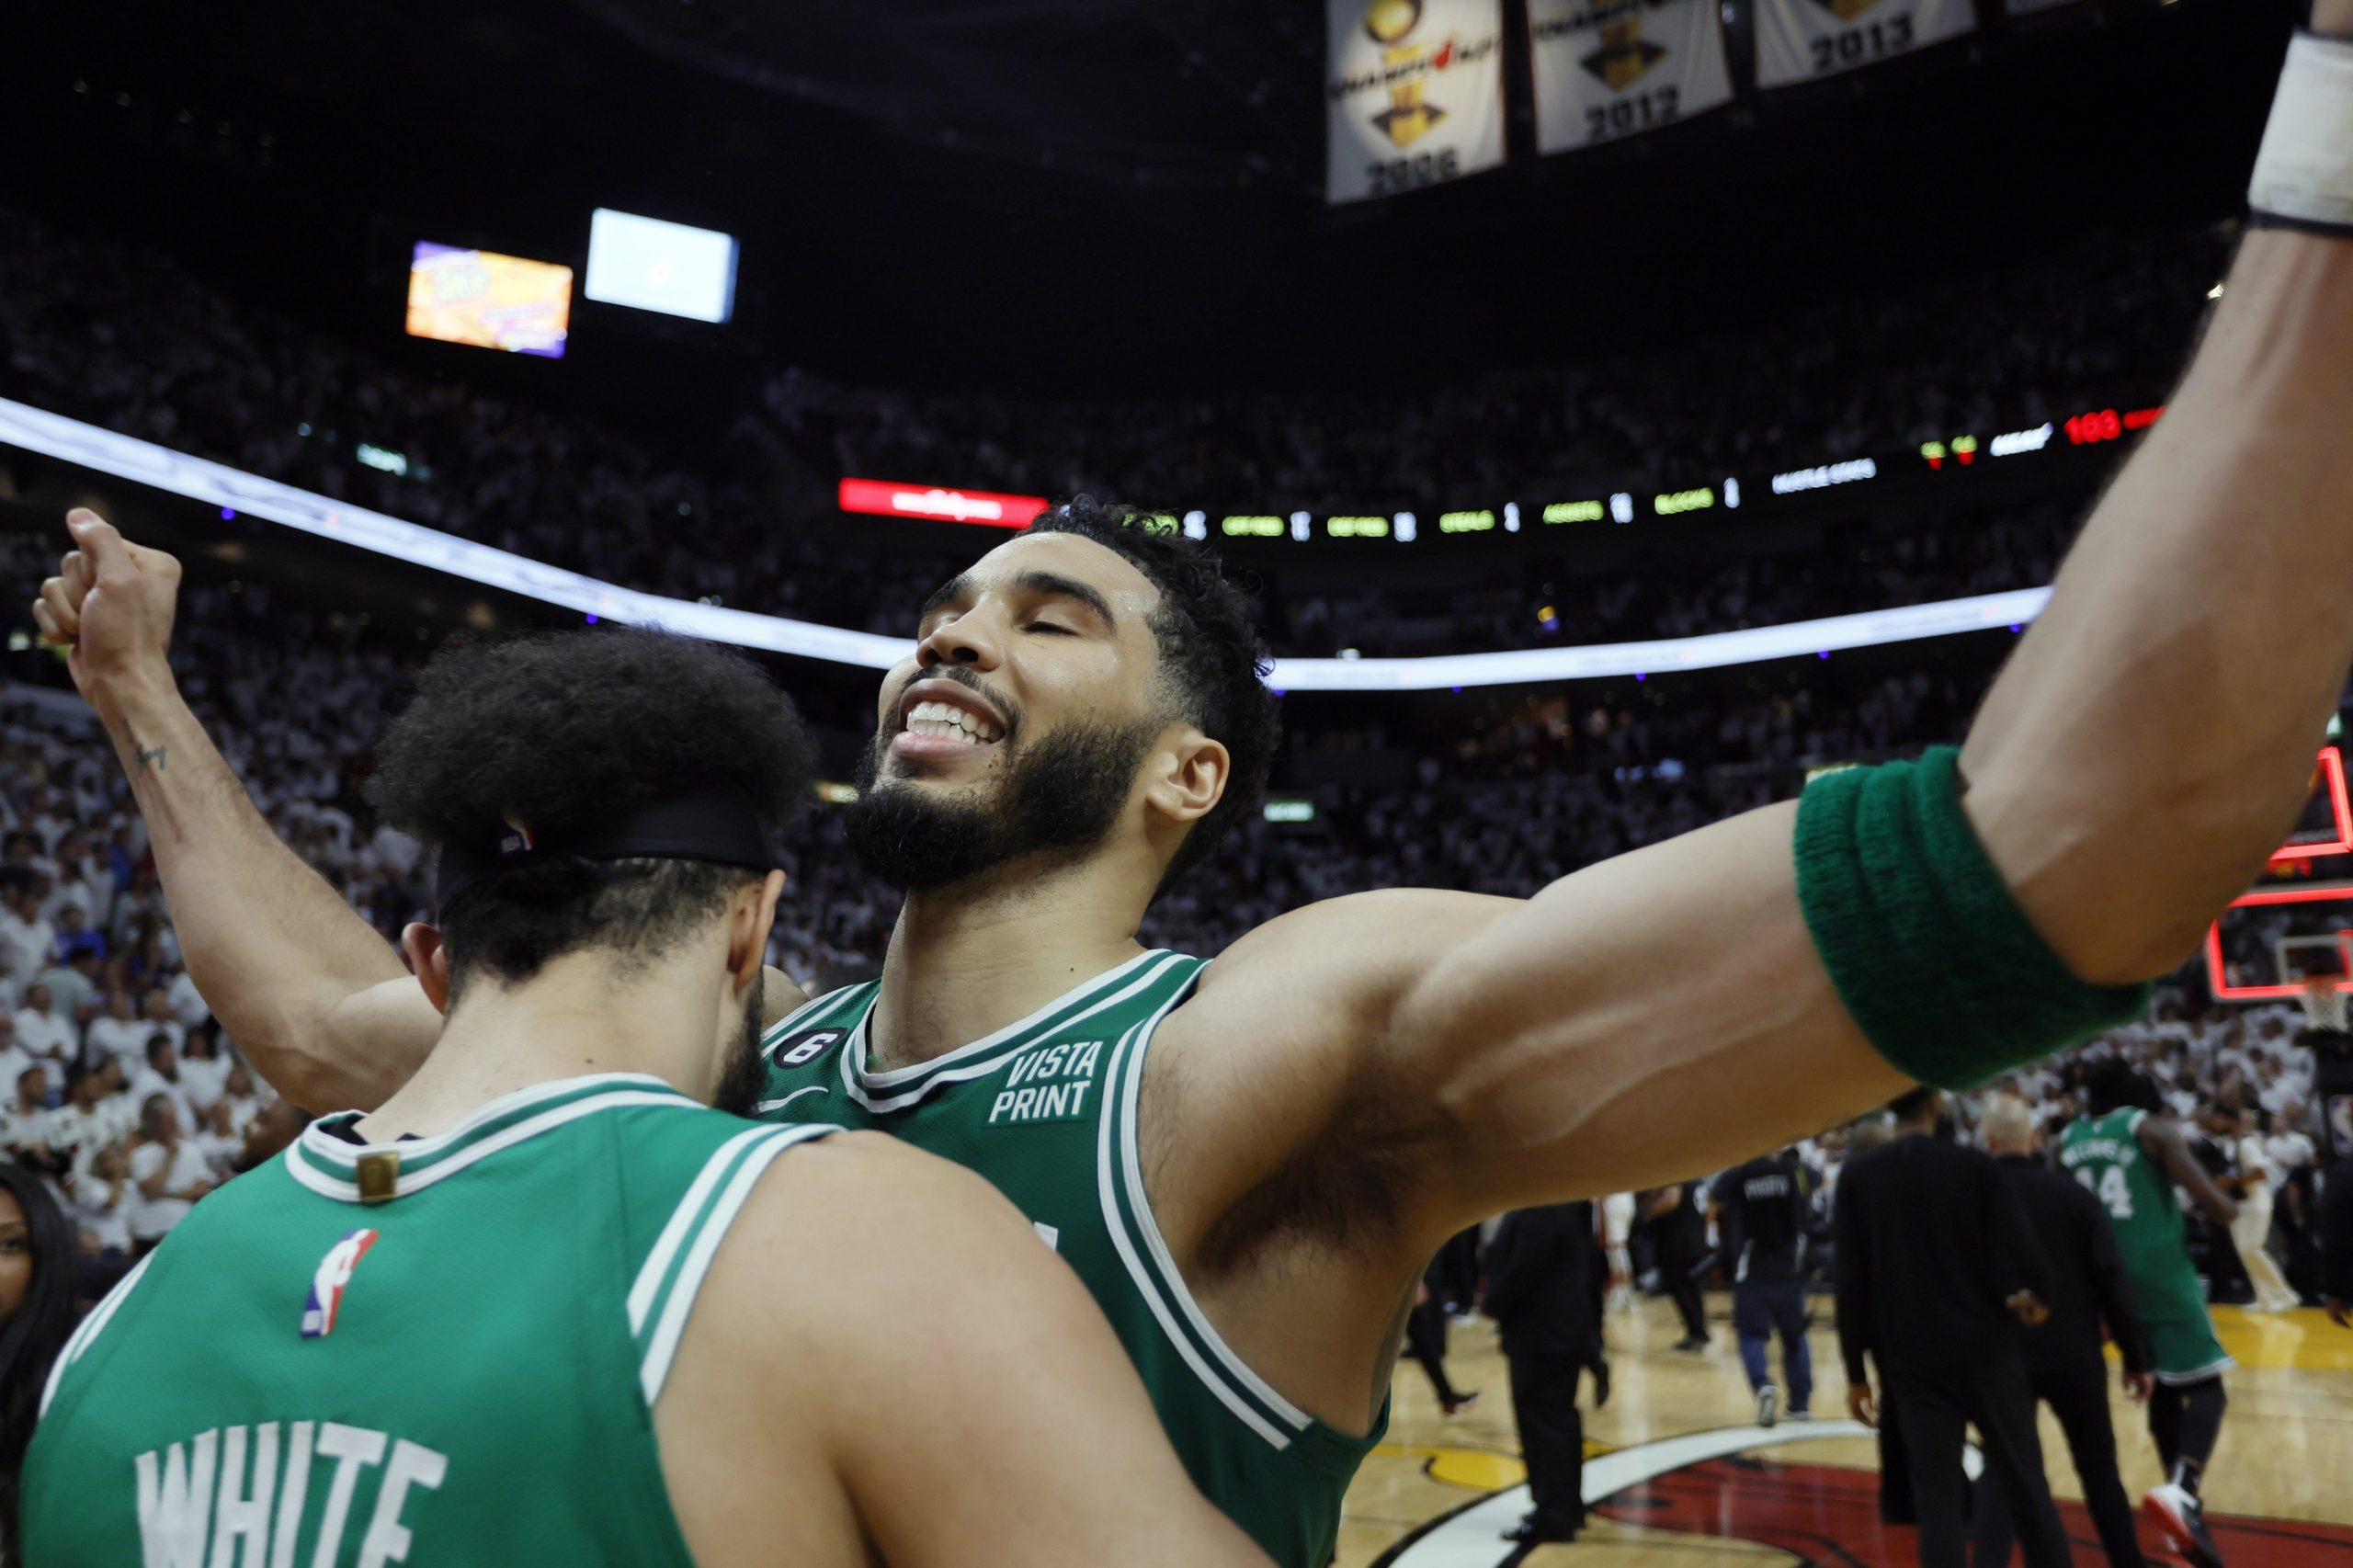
(2163, 1139)
(322, 1004)
(2144, 751)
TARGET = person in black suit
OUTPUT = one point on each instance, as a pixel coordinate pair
(1677, 1216)
(1935, 1266)
(1545, 1274)
(2063, 1364)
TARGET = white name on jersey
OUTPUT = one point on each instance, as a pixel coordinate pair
(203, 1501)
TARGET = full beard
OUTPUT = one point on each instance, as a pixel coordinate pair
(1057, 801)
(742, 1076)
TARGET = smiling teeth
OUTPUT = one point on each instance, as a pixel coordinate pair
(949, 722)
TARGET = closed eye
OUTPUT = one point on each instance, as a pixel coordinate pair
(1049, 626)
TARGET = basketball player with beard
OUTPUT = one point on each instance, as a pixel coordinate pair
(546, 1304)
(1250, 1162)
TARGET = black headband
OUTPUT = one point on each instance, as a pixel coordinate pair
(718, 824)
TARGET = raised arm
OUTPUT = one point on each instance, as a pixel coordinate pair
(306, 987)
(2144, 751)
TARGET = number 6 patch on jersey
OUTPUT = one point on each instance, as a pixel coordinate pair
(795, 1050)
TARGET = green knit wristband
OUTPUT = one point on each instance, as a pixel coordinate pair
(1928, 948)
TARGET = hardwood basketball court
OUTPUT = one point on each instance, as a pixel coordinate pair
(1692, 1483)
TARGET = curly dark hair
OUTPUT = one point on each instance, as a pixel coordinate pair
(570, 730)
(1212, 655)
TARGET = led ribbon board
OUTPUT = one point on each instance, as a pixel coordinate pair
(105, 452)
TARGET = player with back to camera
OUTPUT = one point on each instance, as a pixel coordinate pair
(2131, 1155)
(1250, 1162)
(545, 1304)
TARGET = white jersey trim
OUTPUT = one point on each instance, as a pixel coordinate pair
(1169, 1299)
(342, 1152)
(1131, 1144)
(898, 1075)
(328, 1186)
(2211, 1369)
(673, 1234)
(662, 1348)
(854, 1059)
(81, 1339)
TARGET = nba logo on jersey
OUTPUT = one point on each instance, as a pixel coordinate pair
(327, 1284)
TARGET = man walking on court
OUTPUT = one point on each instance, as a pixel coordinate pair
(1936, 1269)
(2063, 1363)
(1545, 1275)
(1762, 1208)
(1250, 1163)
(2131, 1156)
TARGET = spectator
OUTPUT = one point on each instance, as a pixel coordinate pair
(2252, 1228)
(218, 1140)
(204, 1071)
(25, 935)
(101, 1199)
(72, 981)
(41, 1033)
(119, 1033)
(237, 1093)
(38, 1310)
(168, 1170)
(96, 1112)
(158, 1016)
(161, 1076)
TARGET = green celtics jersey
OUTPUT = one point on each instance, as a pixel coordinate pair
(1046, 1110)
(444, 1350)
(2104, 1153)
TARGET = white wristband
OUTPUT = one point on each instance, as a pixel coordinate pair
(2304, 172)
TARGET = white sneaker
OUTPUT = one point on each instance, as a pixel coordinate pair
(2178, 1514)
(1768, 1405)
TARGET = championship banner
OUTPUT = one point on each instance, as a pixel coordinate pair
(1416, 94)
(1610, 68)
(1799, 41)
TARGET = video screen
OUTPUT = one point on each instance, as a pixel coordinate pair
(650, 265)
(488, 300)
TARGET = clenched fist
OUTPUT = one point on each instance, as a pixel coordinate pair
(111, 603)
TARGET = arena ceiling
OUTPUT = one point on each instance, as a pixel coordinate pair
(1079, 194)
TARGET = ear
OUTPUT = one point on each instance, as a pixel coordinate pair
(749, 922)
(1190, 777)
(421, 946)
